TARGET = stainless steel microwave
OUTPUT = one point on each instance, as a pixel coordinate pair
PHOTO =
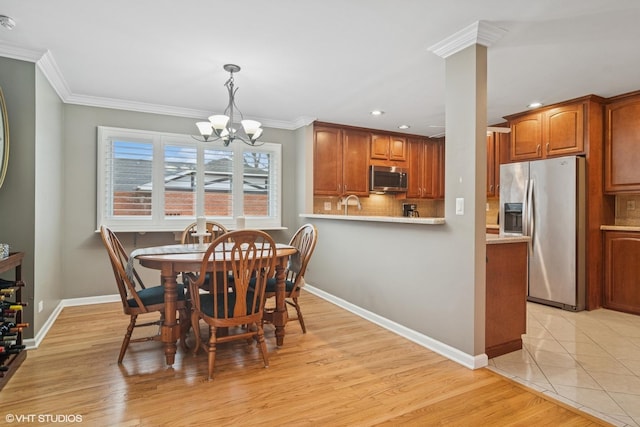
(388, 179)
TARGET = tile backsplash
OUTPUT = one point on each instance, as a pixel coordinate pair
(492, 211)
(627, 207)
(378, 205)
(628, 210)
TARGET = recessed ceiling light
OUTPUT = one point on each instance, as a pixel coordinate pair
(535, 105)
(7, 22)
(404, 127)
(377, 113)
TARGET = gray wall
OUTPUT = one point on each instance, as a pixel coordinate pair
(17, 195)
(49, 198)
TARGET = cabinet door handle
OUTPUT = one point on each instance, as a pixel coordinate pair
(538, 150)
(547, 148)
(491, 188)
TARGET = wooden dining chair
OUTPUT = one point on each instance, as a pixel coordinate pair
(240, 263)
(214, 228)
(304, 240)
(136, 298)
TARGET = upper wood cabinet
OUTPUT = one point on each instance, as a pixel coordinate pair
(497, 154)
(491, 166)
(388, 147)
(438, 192)
(340, 161)
(622, 144)
(556, 131)
(426, 169)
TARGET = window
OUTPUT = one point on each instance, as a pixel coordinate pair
(152, 181)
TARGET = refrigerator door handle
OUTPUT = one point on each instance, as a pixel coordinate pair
(531, 221)
(525, 204)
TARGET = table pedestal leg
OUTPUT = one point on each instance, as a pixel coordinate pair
(280, 315)
(170, 330)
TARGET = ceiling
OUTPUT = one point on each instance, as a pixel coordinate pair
(331, 60)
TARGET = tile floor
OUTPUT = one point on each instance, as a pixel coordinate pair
(589, 360)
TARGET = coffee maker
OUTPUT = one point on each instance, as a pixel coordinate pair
(409, 210)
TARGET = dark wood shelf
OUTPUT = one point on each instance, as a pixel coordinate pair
(12, 362)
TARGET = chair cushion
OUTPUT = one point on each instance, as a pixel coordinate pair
(206, 304)
(271, 285)
(155, 295)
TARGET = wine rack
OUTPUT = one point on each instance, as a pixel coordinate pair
(12, 352)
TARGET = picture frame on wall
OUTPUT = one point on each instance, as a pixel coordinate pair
(4, 139)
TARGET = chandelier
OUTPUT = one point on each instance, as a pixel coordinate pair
(220, 126)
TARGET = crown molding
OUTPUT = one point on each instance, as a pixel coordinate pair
(480, 32)
(47, 64)
(21, 53)
(45, 61)
(167, 110)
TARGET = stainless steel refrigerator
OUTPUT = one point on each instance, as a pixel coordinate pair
(545, 199)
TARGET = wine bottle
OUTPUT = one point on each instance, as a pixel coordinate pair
(8, 328)
(7, 305)
(4, 304)
(6, 283)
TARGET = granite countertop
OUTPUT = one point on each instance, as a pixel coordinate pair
(396, 219)
(493, 239)
(620, 227)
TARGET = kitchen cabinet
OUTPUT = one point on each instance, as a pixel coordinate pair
(506, 297)
(388, 148)
(497, 154)
(622, 271)
(439, 167)
(426, 164)
(340, 161)
(491, 165)
(622, 144)
(556, 131)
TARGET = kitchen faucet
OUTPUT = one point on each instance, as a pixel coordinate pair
(345, 202)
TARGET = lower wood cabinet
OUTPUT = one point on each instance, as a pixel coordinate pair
(622, 271)
(506, 297)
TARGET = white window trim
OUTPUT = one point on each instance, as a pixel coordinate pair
(158, 222)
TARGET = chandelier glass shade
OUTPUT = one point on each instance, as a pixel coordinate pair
(221, 126)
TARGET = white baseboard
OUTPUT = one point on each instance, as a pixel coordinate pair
(33, 343)
(467, 360)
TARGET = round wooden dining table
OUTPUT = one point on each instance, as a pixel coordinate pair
(172, 264)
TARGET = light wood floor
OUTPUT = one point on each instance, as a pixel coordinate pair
(344, 371)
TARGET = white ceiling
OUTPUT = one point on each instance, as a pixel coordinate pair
(331, 60)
